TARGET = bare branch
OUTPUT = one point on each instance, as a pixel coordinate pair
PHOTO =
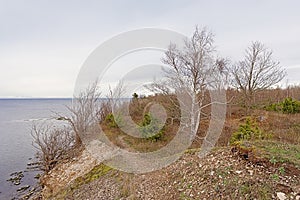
(53, 144)
(84, 111)
(258, 71)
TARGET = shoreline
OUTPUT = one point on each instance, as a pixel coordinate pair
(24, 183)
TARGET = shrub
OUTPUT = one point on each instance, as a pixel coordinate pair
(290, 106)
(273, 107)
(53, 145)
(135, 96)
(151, 128)
(104, 110)
(287, 106)
(113, 121)
(83, 112)
(247, 131)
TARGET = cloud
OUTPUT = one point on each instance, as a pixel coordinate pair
(44, 43)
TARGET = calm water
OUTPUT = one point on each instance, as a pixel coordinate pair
(16, 118)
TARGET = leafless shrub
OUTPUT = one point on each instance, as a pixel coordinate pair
(53, 144)
(104, 110)
(113, 101)
(83, 112)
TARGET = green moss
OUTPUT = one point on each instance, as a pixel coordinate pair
(95, 173)
(192, 151)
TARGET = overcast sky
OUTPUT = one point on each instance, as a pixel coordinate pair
(44, 43)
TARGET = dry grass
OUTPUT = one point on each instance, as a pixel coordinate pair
(283, 127)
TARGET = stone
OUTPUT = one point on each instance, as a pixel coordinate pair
(17, 182)
(23, 188)
(16, 178)
(251, 172)
(281, 195)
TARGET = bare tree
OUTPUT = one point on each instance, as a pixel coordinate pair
(193, 70)
(53, 144)
(258, 71)
(83, 112)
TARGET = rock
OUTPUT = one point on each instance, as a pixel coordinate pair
(23, 188)
(17, 182)
(261, 118)
(26, 196)
(16, 177)
(20, 173)
(281, 195)
(37, 176)
(297, 197)
(238, 172)
(32, 163)
(251, 172)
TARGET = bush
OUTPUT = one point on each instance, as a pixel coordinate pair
(287, 106)
(151, 128)
(273, 107)
(290, 106)
(84, 112)
(113, 121)
(247, 131)
(104, 110)
(53, 145)
(135, 96)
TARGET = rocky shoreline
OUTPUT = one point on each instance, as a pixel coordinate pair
(25, 191)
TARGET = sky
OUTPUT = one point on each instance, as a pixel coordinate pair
(43, 44)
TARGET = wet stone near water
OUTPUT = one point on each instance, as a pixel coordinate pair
(16, 178)
(23, 188)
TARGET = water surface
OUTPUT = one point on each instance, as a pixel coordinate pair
(16, 118)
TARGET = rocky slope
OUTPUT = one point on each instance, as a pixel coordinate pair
(223, 174)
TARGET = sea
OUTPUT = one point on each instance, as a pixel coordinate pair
(16, 143)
